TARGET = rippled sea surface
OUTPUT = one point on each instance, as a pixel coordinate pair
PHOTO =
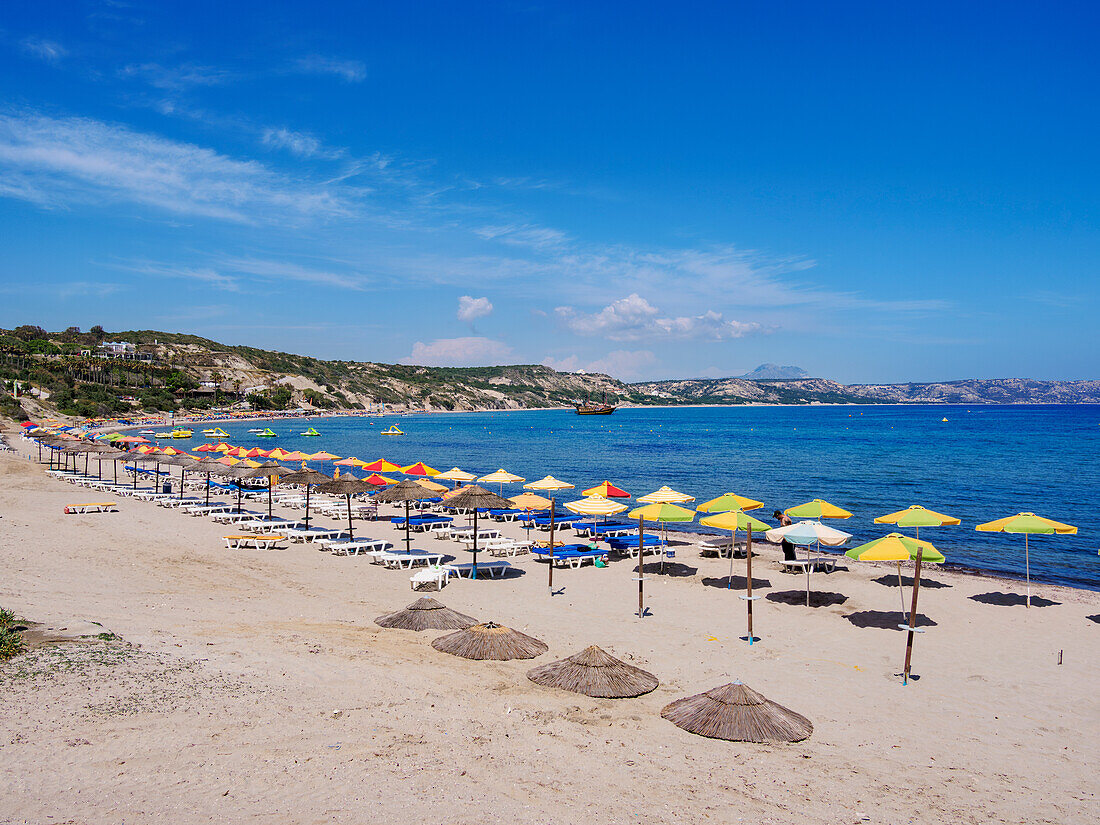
(983, 463)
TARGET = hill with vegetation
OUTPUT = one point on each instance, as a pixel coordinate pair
(166, 371)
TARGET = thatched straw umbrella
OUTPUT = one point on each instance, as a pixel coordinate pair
(210, 466)
(183, 461)
(595, 672)
(308, 478)
(474, 497)
(406, 491)
(490, 641)
(136, 460)
(738, 713)
(426, 614)
(347, 487)
(269, 470)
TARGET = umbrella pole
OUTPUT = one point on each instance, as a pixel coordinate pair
(351, 531)
(270, 480)
(550, 571)
(748, 576)
(912, 619)
(808, 566)
(307, 506)
(473, 570)
(408, 534)
(641, 533)
(115, 462)
(207, 490)
(901, 590)
(1027, 567)
(733, 542)
(182, 471)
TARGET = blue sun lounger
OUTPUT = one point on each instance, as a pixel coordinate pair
(573, 555)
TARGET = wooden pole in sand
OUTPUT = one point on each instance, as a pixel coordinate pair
(550, 572)
(912, 619)
(748, 577)
(641, 580)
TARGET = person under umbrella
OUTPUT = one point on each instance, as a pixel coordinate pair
(406, 491)
(475, 497)
(346, 486)
(306, 478)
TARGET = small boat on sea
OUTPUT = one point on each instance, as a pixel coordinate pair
(181, 433)
(310, 432)
(268, 433)
(161, 435)
(393, 430)
(256, 430)
(589, 408)
(147, 432)
(216, 432)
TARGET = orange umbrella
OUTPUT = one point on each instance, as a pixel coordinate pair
(382, 466)
(374, 478)
(222, 447)
(206, 448)
(279, 453)
(171, 451)
(323, 456)
(255, 452)
(227, 460)
(351, 461)
(419, 469)
(294, 455)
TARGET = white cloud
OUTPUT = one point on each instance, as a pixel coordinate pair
(58, 161)
(633, 318)
(230, 273)
(623, 364)
(471, 308)
(299, 143)
(459, 352)
(528, 235)
(43, 49)
(353, 71)
(205, 275)
(285, 271)
(176, 78)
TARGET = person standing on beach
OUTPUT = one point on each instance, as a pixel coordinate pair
(785, 521)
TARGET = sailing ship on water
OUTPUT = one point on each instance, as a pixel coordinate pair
(587, 407)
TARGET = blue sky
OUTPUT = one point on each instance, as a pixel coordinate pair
(875, 192)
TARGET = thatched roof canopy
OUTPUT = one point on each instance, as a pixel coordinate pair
(307, 476)
(345, 486)
(265, 470)
(407, 490)
(490, 641)
(426, 614)
(474, 496)
(595, 672)
(738, 713)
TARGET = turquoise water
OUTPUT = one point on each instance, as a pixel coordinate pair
(983, 463)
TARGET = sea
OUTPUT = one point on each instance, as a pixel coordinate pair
(977, 463)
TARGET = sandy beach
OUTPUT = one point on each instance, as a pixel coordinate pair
(254, 686)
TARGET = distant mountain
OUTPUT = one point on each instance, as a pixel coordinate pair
(773, 372)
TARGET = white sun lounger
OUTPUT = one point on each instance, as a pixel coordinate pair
(397, 560)
(354, 547)
(432, 574)
(494, 568)
(825, 563)
(97, 507)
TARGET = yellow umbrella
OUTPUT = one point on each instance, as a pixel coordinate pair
(530, 501)
(661, 512)
(914, 516)
(323, 456)
(896, 547)
(817, 510)
(428, 484)
(595, 505)
(455, 474)
(734, 520)
(548, 483)
(665, 495)
(728, 502)
(1027, 523)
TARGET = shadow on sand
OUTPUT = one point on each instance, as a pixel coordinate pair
(891, 580)
(739, 583)
(886, 619)
(1095, 617)
(1012, 600)
(669, 568)
(798, 598)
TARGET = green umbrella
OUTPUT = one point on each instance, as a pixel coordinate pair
(896, 547)
(1028, 524)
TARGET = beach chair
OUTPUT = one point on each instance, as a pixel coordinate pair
(353, 547)
(494, 569)
(96, 507)
(398, 560)
(433, 574)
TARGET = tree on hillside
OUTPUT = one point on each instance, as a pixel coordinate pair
(99, 333)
